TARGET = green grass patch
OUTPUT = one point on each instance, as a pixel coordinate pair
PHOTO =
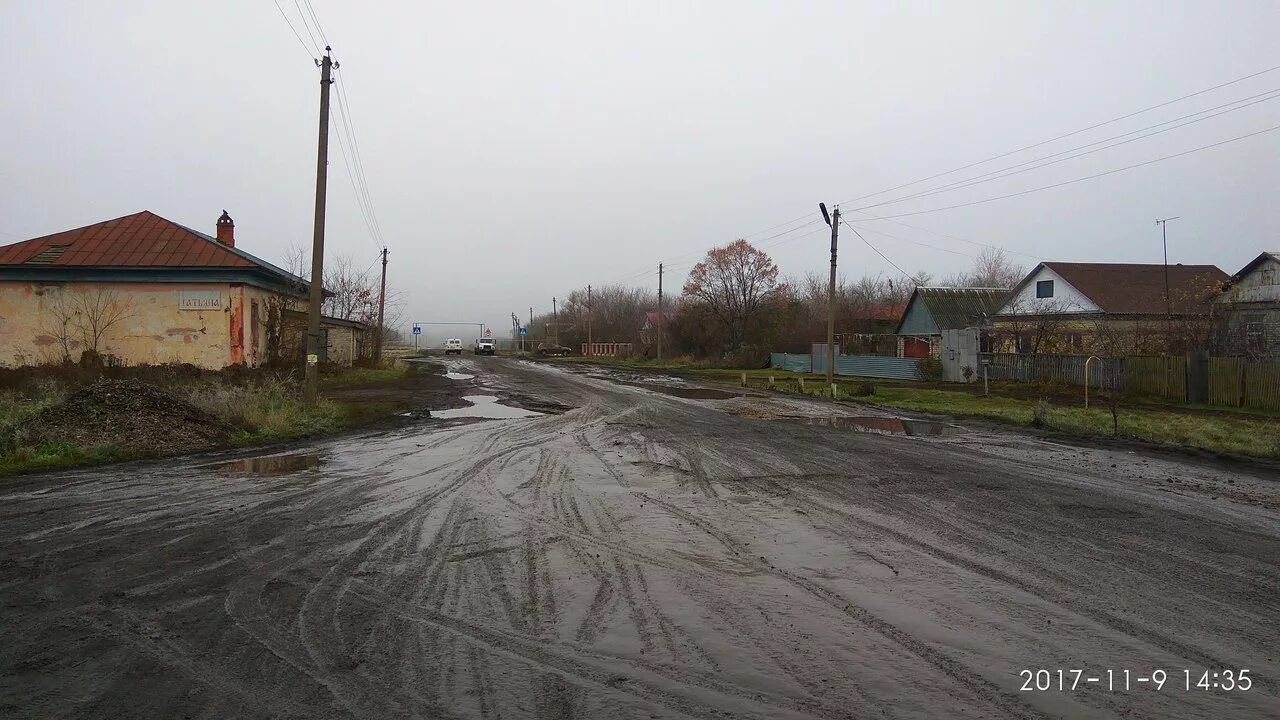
(1239, 433)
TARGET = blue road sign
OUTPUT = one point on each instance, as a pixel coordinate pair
(524, 331)
(417, 330)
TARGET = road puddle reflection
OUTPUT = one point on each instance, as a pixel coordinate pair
(272, 464)
(484, 406)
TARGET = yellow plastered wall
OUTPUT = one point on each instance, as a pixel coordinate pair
(154, 330)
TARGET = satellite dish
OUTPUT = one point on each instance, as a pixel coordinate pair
(825, 216)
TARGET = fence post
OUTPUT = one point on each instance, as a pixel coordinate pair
(744, 379)
(801, 381)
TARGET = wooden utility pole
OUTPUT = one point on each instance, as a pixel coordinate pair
(382, 303)
(311, 385)
(590, 350)
(660, 318)
(831, 298)
(1164, 241)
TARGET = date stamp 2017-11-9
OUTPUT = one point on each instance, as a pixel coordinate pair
(1124, 680)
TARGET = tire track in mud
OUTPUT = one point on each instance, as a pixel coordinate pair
(979, 686)
(1046, 594)
(669, 686)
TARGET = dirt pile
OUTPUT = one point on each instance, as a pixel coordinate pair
(130, 414)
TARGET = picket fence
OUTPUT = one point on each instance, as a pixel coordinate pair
(1231, 381)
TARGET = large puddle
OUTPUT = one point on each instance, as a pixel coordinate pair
(272, 464)
(888, 425)
(484, 406)
(458, 376)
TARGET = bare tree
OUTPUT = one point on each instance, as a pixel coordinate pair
(96, 311)
(992, 268)
(57, 321)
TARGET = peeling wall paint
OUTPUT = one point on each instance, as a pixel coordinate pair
(155, 331)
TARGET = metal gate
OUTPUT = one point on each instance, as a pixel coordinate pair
(960, 351)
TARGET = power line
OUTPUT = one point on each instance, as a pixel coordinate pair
(975, 243)
(1010, 171)
(914, 242)
(295, 32)
(1067, 135)
(316, 20)
(361, 203)
(905, 274)
(1087, 177)
(345, 110)
(307, 27)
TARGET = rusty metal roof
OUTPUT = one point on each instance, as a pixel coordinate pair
(140, 240)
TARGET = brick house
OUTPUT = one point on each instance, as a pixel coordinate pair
(144, 289)
(1249, 316)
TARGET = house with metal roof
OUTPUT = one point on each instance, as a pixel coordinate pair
(143, 289)
(931, 310)
(1248, 323)
(1066, 306)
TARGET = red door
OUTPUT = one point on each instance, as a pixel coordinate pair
(915, 348)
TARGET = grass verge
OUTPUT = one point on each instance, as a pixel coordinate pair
(264, 409)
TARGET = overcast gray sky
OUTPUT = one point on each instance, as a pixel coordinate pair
(517, 150)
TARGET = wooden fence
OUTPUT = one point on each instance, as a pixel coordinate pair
(1233, 382)
(606, 349)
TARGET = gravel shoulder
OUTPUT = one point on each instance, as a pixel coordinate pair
(636, 553)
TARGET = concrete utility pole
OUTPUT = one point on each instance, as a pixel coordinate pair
(1164, 240)
(589, 348)
(530, 329)
(834, 222)
(660, 318)
(311, 385)
(382, 303)
(555, 323)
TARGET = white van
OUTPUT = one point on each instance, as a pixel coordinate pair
(453, 346)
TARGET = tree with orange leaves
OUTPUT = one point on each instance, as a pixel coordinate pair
(733, 283)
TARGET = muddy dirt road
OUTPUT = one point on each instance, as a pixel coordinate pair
(643, 555)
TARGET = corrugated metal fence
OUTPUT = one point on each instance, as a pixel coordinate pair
(871, 366)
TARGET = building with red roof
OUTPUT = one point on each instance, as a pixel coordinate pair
(145, 289)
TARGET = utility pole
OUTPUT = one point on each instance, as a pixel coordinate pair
(660, 318)
(530, 328)
(555, 323)
(1164, 240)
(382, 303)
(311, 386)
(590, 350)
(834, 222)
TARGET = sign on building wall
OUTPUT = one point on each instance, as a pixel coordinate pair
(199, 300)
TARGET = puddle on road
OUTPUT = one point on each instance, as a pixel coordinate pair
(484, 406)
(888, 425)
(458, 376)
(272, 464)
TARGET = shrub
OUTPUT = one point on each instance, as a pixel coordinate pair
(1040, 413)
(930, 368)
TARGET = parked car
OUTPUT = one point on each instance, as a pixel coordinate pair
(552, 350)
(453, 346)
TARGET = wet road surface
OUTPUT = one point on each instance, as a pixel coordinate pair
(643, 555)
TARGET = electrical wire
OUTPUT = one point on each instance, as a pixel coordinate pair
(292, 29)
(975, 243)
(905, 274)
(1087, 177)
(305, 25)
(915, 242)
(1067, 135)
(1010, 171)
(358, 159)
(316, 20)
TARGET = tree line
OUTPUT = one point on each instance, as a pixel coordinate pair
(737, 305)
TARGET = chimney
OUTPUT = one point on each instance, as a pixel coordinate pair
(226, 230)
